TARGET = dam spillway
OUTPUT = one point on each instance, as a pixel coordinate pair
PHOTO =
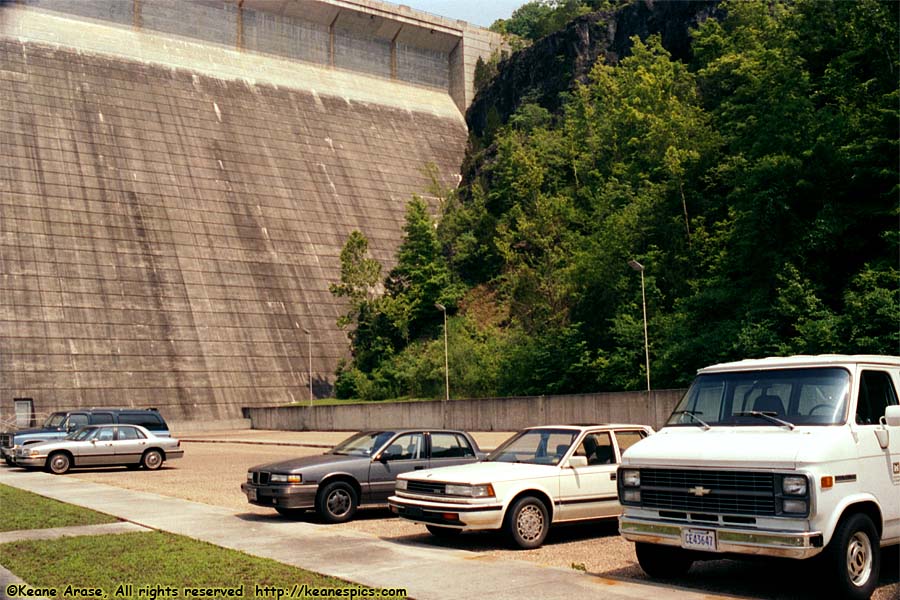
(173, 204)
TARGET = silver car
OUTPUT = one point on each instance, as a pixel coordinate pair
(101, 445)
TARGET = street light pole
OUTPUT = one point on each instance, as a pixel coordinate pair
(640, 268)
(443, 308)
(309, 355)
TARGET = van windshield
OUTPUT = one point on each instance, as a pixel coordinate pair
(54, 420)
(806, 396)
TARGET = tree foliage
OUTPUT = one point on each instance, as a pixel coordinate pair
(758, 185)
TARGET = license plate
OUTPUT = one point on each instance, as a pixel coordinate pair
(413, 511)
(251, 494)
(699, 539)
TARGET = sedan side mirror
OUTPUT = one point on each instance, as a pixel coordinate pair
(577, 461)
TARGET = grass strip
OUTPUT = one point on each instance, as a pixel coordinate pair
(149, 562)
(25, 510)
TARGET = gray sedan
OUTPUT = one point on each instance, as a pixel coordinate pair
(360, 470)
(101, 445)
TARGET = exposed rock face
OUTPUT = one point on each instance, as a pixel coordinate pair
(553, 64)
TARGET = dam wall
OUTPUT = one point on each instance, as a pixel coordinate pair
(172, 208)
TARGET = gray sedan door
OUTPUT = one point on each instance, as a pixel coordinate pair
(129, 445)
(404, 453)
(98, 450)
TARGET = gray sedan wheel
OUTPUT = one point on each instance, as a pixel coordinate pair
(152, 460)
(59, 463)
(336, 502)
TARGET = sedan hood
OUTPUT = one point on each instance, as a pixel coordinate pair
(295, 465)
(54, 444)
(485, 472)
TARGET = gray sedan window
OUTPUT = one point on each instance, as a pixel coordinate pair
(130, 433)
(410, 446)
(449, 445)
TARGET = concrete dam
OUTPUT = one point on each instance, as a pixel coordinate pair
(178, 180)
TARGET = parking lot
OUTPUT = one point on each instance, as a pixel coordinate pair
(211, 473)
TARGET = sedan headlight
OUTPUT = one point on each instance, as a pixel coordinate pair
(631, 477)
(794, 485)
(401, 484)
(470, 491)
(281, 478)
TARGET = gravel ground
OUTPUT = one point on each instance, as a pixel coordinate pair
(212, 474)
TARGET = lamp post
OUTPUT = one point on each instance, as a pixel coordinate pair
(309, 355)
(443, 309)
(640, 268)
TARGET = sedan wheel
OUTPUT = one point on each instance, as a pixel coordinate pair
(152, 460)
(59, 463)
(528, 522)
(337, 502)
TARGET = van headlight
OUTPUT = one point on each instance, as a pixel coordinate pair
(799, 507)
(631, 477)
(794, 485)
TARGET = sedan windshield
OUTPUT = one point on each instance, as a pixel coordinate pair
(363, 444)
(785, 397)
(535, 446)
(82, 435)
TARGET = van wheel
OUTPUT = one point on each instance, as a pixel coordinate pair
(527, 523)
(662, 562)
(59, 463)
(336, 502)
(152, 460)
(853, 557)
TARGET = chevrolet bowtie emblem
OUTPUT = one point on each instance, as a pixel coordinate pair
(699, 491)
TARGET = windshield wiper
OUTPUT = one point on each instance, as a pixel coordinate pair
(767, 415)
(693, 414)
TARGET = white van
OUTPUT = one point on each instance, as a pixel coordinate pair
(790, 457)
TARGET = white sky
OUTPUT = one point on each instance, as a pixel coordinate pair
(478, 12)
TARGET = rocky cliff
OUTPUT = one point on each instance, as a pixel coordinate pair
(552, 65)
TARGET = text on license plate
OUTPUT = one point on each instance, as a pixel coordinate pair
(699, 539)
(251, 494)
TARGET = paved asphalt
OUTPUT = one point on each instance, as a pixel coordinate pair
(427, 573)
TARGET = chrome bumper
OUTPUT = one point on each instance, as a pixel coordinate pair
(764, 542)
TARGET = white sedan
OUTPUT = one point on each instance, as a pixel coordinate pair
(542, 475)
(101, 445)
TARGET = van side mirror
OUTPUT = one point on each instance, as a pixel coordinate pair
(892, 415)
(577, 461)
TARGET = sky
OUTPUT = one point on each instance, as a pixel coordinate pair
(479, 12)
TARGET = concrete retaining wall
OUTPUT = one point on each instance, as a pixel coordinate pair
(486, 414)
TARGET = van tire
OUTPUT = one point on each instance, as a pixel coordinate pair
(662, 562)
(853, 557)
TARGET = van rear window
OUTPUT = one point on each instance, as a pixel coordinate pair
(151, 421)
